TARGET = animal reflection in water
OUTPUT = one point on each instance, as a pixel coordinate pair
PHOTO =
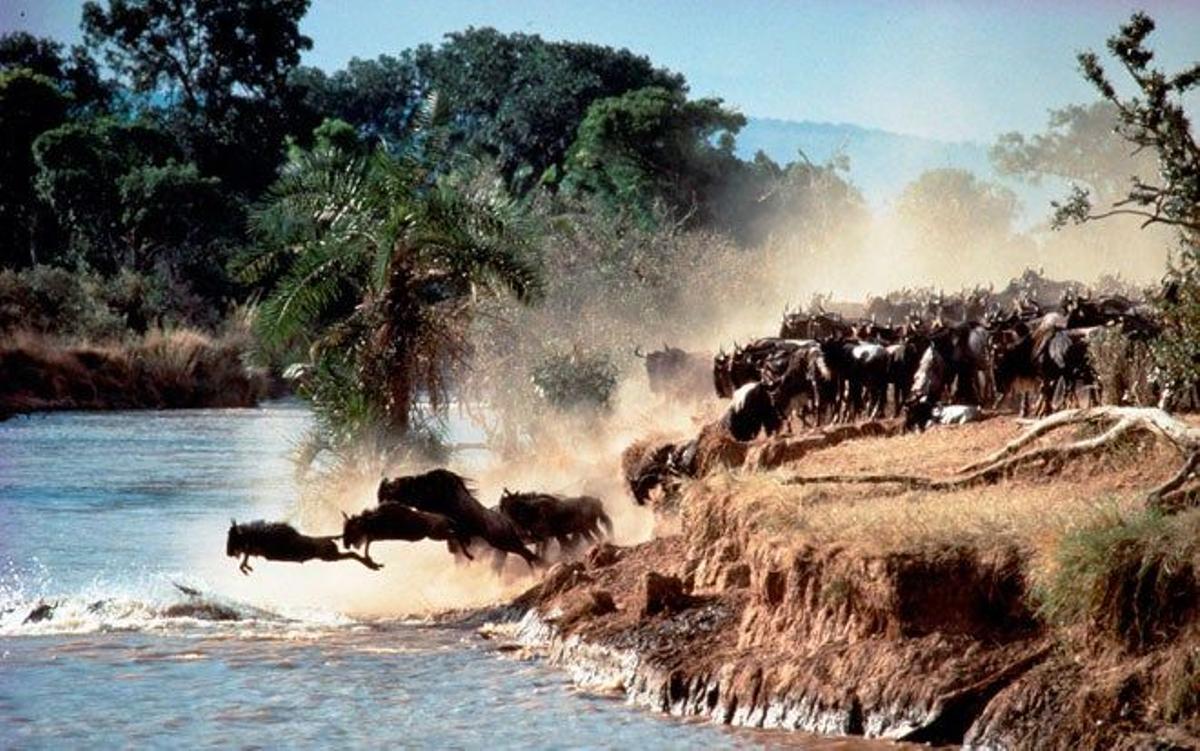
(435, 505)
(276, 541)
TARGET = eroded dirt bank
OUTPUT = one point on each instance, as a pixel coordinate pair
(759, 615)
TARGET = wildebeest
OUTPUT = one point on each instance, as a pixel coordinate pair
(277, 541)
(440, 491)
(676, 373)
(1050, 355)
(760, 359)
(860, 373)
(752, 411)
(395, 521)
(542, 517)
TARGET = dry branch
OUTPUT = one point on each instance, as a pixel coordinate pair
(1120, 421)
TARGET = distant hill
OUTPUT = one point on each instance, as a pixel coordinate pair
(881, 162)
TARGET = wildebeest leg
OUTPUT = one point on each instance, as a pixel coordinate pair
(244, 567)
(364, 560)
(367, 548)
(498, 560)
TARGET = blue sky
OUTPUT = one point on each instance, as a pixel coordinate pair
(939, 69)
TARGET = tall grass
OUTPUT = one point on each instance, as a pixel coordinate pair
(1127, 576)
(162, 369)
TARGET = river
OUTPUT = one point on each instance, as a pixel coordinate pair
(101, 514)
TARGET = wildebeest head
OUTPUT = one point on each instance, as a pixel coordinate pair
(233, 541)
(353, 533)
(918, 412)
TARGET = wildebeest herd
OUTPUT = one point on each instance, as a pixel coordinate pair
(435, 505)
(928, 357)
(823, 367)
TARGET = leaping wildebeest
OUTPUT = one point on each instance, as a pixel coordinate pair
(440, 491)
(395, 521)
(277, 541)
(542, 517)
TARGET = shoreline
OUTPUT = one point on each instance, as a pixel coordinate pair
(937, 640)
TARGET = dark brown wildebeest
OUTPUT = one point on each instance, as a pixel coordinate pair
(542, 517)
(763, 358)
(395, 521)
(276, 541)
(440, 491)
(676, 373)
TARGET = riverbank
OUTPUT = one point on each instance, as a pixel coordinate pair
(162, 370)
(1050, 610)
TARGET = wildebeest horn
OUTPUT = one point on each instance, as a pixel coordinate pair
(637, 352)
(232, 522)
(345, 516)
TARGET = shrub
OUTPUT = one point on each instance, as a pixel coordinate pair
(1130, 578)
(1122, 367)
(576, 380)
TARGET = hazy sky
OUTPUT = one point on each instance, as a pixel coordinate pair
(948, 70)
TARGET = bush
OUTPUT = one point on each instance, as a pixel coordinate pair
(576, 380)
(83, 305)
(1130, 578)
(1122, 367)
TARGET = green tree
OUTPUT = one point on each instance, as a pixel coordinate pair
(1155, 119)
(519, 99)
(654, 145)
(30, 104)
(379, 97)
(376, 270)
(1080, 145)
(76, 75)
(223, 66)
(79, 166)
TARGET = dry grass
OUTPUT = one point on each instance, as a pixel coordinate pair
(1033, 511)
(163, 369)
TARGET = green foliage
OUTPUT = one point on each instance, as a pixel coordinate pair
(206, 53)
(520, 99)
(652, 145)
(30, 104)
(379, 97)
(58, 302)
(1081, 144)
(375, 269)
(223, 67)
(1130, 578)
(576, 380)
(1156, 120)
(127, 203)
(76, 76)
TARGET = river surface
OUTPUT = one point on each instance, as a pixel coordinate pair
(101, 514)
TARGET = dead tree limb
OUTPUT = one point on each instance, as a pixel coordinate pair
(1119, 422)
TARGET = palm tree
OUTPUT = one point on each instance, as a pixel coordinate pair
(375, 264)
